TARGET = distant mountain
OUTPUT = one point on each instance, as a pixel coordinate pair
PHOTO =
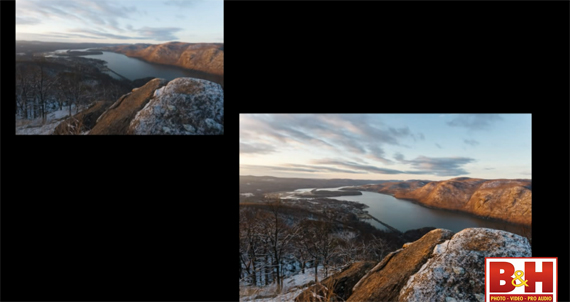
(23, 46)
(206, 57)
(267, 184)
(505, 199)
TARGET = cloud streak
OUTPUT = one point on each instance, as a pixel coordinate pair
(343, 133)
(471, 142)
(103, 14)
(255, 148)
(440, 166)
(475, 121)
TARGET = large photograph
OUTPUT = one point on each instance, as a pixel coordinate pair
(380, 207)
(100, 67)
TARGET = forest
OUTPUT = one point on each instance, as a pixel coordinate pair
(45, 84)
(279, 239)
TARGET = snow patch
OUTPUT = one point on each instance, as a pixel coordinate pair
(159, 91)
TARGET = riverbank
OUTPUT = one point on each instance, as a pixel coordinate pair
(457, 211)
(325, 193)
(78, 53)
(216, 78)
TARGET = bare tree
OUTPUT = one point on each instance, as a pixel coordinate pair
(73, 89)
(278, 235)
(42, 85)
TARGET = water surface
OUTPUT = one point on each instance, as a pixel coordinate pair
(132, 68)
(406, 215)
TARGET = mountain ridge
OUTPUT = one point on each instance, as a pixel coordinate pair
(504, 199)
(205, 57)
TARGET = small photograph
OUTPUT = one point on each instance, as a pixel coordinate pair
(384, 207)
(102, 67)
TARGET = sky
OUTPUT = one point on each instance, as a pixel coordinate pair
(386, 146)
(124, 21)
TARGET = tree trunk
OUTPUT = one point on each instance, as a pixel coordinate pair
(266, 270)
(253, 271)
(315, 263)
(281, 275)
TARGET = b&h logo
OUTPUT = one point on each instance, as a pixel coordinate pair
(521, 279)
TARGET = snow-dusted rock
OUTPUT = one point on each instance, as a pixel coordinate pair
(456, 271)
(337, 287)
(117, 118)
(82, 121)
(383, 282)
(184, 106)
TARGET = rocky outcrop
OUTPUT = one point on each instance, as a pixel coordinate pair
(384, 282)
(184, 106)
(394, 187)
(337, 287)
(456, 270)
(206, 57)
(118, 117)
(439, 267)
(82, 121)
(504, 199)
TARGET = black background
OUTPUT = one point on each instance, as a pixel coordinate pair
(155, 218)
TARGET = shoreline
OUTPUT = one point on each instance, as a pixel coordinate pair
(212, 77)
(514, 224)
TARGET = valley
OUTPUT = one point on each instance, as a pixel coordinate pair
(89, 79)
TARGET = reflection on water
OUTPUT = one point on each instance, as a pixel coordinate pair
(132, 68)
(406, 215)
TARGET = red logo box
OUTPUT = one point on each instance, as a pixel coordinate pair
(521, 279)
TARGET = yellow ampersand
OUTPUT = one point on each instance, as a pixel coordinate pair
(518, 276)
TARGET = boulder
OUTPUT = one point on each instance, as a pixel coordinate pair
(82, 121)
(118, 117)
(185, 106)
(456, 271)
(384, 282)
(339, 284)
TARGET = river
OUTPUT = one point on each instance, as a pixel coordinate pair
(133, 68)
(406, 215)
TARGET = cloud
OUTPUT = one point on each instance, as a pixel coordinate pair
(27, 21)
(471, 142)
(299, 168)
(399, 156)
(475, 121)
(255, 148)
(159, 33)
(314, 168)
(342, 133)
(440, 166)
(101, 34)
(104, 14)
(100, 12)
(357, 166)
(179, 3)
(69, 36)
(145, 33)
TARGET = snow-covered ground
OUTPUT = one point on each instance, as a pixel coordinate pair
(38, 127)
(292, 287)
